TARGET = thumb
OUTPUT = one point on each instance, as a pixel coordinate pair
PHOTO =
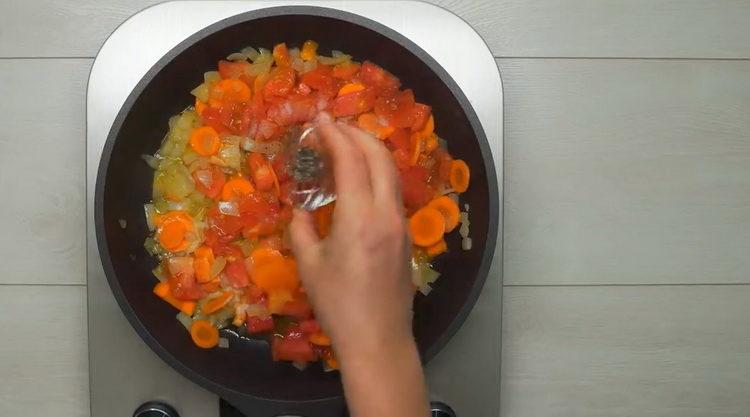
(303, 235)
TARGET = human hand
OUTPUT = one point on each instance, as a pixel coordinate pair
(358, 277)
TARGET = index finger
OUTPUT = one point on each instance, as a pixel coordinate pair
(349, 166)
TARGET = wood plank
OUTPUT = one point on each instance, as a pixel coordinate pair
(626, 171)
(43, 149)
(656, 351)
(512, 28)
(43, 357)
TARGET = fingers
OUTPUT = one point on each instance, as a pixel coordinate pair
(304, 236)
(382, 170)
(349, 166)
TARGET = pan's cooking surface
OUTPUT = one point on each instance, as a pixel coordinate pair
(259, 375)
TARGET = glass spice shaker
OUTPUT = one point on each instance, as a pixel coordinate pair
(311, 172)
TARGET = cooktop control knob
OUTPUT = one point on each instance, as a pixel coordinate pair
(155, 409)
(439, 409)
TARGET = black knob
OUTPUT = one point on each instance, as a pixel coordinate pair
(439, 409)
(155, 409)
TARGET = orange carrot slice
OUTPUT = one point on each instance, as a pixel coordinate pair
(449, 209)
(459, 176)
(236, 188)
(162, 291)
(345, 70)
(204, 334)
(229, 90)
(309, 50)
(172, 229)
(370, 122)
(428, 128)
(427, 226)
(437, 249)
(430, 142)
(205, 141)
(351, 88)
(281, 55)
(215, 304)
(276, 275)
(320, 339)
(204, 258)
(264, 254)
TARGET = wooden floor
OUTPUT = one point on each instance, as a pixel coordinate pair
(627, 225)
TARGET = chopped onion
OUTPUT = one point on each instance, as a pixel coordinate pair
(444, 189)
(425, 289)
(430, 275)
(336, 58)
(178, 205)
(309, 66)
(159, 273)
(267, 148)
(237, 56)
(230, 208)
(217, 266)
(223, 342)
(201, 92)
(205, 177)
(454, 197)
(466, 243)
(464, 230)
(123, 223)
(250, 53)
(327, 368)
(152, 161)
(300, 365)
(466, 207)
(185, 320)
(180, 265)
(211, 77)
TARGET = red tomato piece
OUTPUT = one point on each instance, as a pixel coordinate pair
(375, 76)
(443, 162)
(298, 308)
(414, 188)
(212, 117)
(280, 83)
(354, 103)
(399, 139)
(292, 349)
(229, 69)
(402, 159)
(420, 114)
(260, 170)
(235, 117)
(259, 324)
(309, 326)
(397, 109)
(254, 295)
(300, 109)
(226, 228)
(185, 287)
(209, 181)
(321, 79)
(237, 274)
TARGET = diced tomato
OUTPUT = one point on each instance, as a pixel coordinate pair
(209, 181)
(229, 69)
(420, 114)
(321, 79)
(263, 129)
(185, 287)
(399, 139)
(272, 242)
(402, 159)
(414, 189)
(222, 227)
(309, 326)
(346, 70)
(254, 295)
(257, 324)
(299, 109)
(279, 164)
(237, 274)
(354, 103)
(397, 109)
(235, 117)
(375, 76)
(292, 349)
(260, 169)
(212, 117)
(443, 162)
(280, 83)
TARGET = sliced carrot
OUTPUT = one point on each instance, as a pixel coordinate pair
(428, 128)
(281, 55)
(427, 226)
(230, 90)
(371, 122)
(276, 275)
(351, 88)
(172, 229)
(215, 304)
(162, 290)
(459, 176)
(437, 249)
(264, 254)
(205, 141)
(309, 50)
(277, 299)
(449, 209)
(204, 334)
(430, 142)
(200, 106)
(235, 188)
(204, 258)
(332, 363)
(320, 339)
(416, 148)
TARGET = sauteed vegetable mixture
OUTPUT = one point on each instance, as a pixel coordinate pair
(221, 191)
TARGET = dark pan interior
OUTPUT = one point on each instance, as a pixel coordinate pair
(124, 185)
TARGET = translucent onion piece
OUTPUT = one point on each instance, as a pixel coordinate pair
(185, 320)
(466, 243)
(211, 77)
(250, 53)
(335, 59)
(218, 266)
(223, 342)
(201, 92)
(150, 211)
(230, 208)
(300, 365)
(159, 273)
(152, 161)
(237, 56)
(425, 289)
(123, 223)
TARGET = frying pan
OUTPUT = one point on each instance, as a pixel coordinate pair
(244, 374)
